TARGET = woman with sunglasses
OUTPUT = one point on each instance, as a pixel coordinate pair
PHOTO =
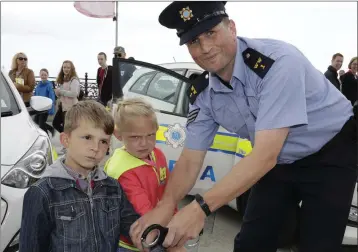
(22, 76)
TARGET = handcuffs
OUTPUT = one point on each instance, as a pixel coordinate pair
(162, 233)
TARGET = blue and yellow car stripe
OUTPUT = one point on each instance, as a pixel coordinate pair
(223, 142)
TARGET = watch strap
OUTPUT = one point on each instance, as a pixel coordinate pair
(203, 204)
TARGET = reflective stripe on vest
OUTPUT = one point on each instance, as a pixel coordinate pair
(121, 161)
(125, 245)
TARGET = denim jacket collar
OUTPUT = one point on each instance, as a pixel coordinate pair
(64, 180)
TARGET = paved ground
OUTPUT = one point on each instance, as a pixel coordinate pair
(220, 228)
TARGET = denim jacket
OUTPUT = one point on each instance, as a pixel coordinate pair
(57, 216)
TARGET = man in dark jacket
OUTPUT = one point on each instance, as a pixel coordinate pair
(104, 79)
(331, 73)
(126, 69)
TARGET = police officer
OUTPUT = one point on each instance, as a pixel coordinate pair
(301, 127)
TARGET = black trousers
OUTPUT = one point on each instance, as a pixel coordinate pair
(323, 181)
(41, 120)
(59, 119)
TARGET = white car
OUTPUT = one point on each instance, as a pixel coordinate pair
(165, 87)
(25, 152)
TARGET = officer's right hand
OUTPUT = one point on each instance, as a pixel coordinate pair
(161, 215)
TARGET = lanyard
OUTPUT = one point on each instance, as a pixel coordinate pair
(152, 163)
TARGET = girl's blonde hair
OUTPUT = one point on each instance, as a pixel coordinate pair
(14, 60)
(133, 107)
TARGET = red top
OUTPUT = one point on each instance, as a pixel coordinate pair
(144, 185)
(101, 79)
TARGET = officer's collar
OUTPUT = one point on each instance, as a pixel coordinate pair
(239, 66)
(238, 73)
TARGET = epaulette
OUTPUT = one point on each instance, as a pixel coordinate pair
(257, 62)
(198, 85)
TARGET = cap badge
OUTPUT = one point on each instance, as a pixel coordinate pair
(186, 14)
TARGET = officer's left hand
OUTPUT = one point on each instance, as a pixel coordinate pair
(185, 225)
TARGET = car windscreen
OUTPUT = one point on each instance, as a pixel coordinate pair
(9, 106)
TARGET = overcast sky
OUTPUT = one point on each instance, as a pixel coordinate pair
(52, 32)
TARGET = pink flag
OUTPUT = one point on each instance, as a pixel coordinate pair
(96, 9)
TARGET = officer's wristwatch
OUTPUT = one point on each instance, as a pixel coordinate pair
(202, 204)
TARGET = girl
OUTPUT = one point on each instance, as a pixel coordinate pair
(44, 88)
(22, 77)
(140, 167)
(67, 92)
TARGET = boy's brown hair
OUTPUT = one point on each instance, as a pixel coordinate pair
(44, 70)
(90, 111)
(337, 55)
(102, 53)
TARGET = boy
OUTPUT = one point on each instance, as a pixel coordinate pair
(139, 166)
(45, 88)
(75, 206)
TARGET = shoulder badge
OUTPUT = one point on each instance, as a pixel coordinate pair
(257, 62)
(197, 86)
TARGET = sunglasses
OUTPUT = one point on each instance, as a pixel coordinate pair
(21, 58)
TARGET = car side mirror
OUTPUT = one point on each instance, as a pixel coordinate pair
(39, 104)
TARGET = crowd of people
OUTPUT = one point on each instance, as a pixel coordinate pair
(66, 90)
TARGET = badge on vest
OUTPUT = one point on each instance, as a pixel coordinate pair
(20, 81)
(162, 174)
(257, 62)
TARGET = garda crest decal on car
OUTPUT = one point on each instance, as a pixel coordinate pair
(175, 135)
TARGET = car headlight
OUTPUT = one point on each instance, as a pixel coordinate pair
(31, 166)
(353, 216)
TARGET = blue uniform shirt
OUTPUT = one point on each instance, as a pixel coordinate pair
(292, 94)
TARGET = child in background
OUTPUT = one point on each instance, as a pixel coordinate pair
(139, 166)
(75, 206)
(44, 88)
